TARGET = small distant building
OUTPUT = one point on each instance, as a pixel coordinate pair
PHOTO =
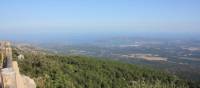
(20, 57)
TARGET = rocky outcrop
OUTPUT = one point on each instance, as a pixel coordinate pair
(10, 75)
(22, 80)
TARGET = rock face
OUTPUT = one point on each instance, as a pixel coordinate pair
(10, 75)
(22, 81)
(28, 82)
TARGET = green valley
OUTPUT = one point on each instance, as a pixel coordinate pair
(54, 71)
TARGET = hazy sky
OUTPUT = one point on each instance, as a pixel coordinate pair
(65, 16)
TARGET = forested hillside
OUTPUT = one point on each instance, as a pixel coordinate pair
(53, 71)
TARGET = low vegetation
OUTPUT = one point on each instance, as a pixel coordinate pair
(53, 71)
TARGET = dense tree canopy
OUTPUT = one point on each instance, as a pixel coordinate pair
(53, 71)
